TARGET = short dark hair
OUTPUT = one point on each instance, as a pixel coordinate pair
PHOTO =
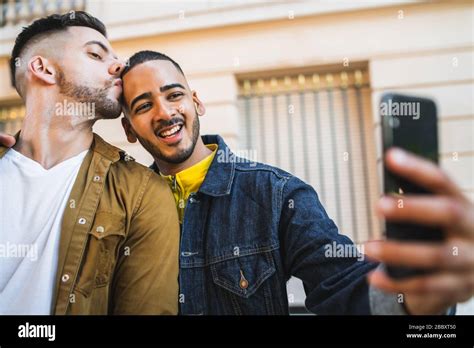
(145, 56)
(50, 24)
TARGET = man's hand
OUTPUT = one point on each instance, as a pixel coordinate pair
(453, 260)
(7, 140)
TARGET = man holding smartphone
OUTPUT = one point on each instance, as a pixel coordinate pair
(247, 227)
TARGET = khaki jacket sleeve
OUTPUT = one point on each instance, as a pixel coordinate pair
(146, 277)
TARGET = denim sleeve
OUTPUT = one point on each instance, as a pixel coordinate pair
(334, 283)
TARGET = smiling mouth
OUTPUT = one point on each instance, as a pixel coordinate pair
(170, 132)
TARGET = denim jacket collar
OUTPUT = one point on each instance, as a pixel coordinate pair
(219, 178)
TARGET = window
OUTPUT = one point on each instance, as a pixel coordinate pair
(14, 12)
(318, 126)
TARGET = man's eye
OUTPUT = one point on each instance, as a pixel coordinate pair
(95, 55)
(175, 95)
(142, 107)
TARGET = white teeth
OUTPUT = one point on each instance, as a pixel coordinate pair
(171, 131)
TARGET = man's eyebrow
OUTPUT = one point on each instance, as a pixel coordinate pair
(170, 86)
(146, 95)
(95, 42)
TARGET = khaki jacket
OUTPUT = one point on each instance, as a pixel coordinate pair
(119, 241)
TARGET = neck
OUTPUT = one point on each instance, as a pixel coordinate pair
(200, 152)
(48, 138)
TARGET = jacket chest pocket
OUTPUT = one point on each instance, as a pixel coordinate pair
(104, 240)
(245, 284)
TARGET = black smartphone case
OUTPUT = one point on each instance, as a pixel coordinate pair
(421, 137)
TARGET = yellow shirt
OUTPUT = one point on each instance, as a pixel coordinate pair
(189, 180)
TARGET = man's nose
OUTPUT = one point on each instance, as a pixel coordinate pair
(116, 68)
(165, 112)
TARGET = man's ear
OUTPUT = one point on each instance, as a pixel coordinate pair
(127, 127)
(200, 108)
(42, 69)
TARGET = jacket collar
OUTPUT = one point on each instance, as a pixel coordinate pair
(98, 145)
(105, 149)
(220, 176)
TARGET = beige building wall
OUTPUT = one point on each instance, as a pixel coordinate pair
(423, 49)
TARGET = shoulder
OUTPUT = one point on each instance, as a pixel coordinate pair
(266, 171)
(126, 170)
(249, 167)
(263, 179)
(144, 192)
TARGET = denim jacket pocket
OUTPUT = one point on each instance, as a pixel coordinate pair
(104, 239)
(243, 283)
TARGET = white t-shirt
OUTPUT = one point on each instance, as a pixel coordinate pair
(32, 203)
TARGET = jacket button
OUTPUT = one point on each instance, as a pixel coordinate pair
(82, 221)
(244, 284)
(100, 229)
(97, 178)
(65, 278)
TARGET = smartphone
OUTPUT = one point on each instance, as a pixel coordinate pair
(410, 123)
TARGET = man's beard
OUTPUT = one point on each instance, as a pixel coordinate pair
(179, 157)
(104, 106)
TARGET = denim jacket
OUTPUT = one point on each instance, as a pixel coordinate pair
(248, 229)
